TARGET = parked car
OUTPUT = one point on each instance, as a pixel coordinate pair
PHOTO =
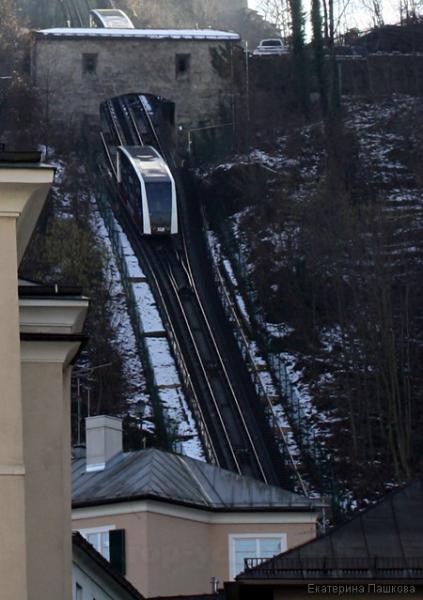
(270, 47)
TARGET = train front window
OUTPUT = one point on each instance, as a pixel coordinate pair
(159, 196)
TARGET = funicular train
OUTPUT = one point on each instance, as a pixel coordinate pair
(147, 189)
(110, 18)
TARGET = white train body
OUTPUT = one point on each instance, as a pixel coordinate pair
(147, 189)
(110, 18)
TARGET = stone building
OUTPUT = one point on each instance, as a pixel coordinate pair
(75, 69)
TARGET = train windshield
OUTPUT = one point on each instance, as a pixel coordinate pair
(159, 196)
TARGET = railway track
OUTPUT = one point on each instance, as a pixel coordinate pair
(232, 421)
(77, 11)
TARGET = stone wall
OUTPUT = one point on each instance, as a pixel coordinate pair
(382, 74)
(69, 94)
(271, 89)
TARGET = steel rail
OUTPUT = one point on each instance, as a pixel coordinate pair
(236, 413)
(115, 121)
(200, 361)
(148, 258)
(188, 268)
(109, 158)
(222, 364)
(74, 4)
(201, 421)
(263, 393)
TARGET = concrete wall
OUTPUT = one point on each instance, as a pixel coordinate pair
(127, 65)
(188, 550)
(12, 495)
(47, 460)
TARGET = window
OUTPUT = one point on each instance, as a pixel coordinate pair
(78, 592)
(182, 66)
(99, 538)
(247, 545)
(110, 543)
(89, 63)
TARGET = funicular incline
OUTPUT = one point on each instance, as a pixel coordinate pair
(77, 11)
(229, 415)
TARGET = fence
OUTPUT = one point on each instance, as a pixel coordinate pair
(314, 454)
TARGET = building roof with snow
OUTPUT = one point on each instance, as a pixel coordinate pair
(156, 474)
(173, 34)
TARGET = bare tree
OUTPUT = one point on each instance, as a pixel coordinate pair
(277, 12)
(375, 10)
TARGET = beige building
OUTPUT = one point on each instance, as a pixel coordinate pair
(176, 522)
(76, 69)
(376, 553)
(41, 334)
(93, 576)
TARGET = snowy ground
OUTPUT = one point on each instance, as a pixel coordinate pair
(389, 138)
(134, 370)
(255, 358)
(178, 416)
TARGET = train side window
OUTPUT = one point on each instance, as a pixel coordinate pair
(182, 65)
(89, 63)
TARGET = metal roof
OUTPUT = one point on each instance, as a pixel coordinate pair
(154, 473)
(174, 34)
(220, 595)
(147, 162)
(384, 541)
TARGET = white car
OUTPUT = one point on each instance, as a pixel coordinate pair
(270, 47)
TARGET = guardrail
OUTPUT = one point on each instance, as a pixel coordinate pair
(244, 347)
(315, 456)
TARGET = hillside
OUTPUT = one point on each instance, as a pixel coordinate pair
(338, 273)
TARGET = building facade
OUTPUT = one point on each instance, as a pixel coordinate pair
(76, 69)
(94, 578)
(376, 553)
(178, 522)
(41, 334)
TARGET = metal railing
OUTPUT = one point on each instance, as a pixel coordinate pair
(244, 347)
(322, 567)
(315, 456)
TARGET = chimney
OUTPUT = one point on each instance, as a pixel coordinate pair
(103, 440)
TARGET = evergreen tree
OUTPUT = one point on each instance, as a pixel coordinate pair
(319, 54)
(300, 71)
